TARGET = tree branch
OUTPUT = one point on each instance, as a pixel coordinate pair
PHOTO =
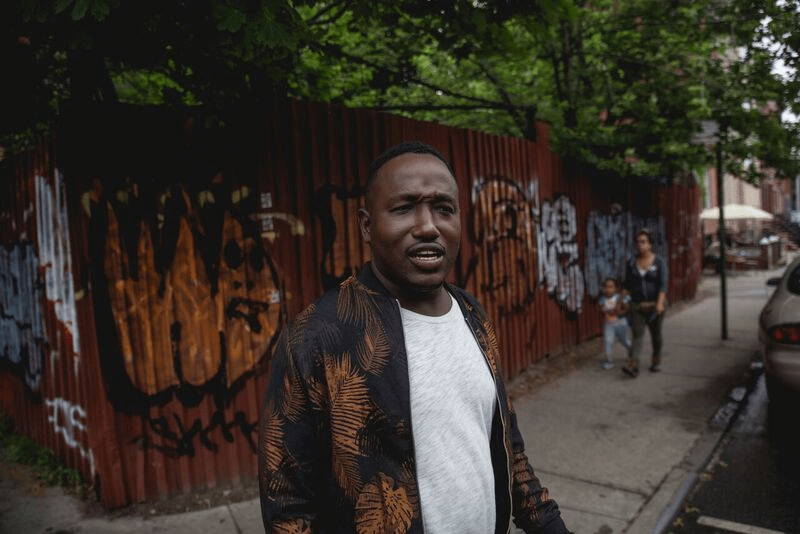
(317, 18)
(437, 107)
(335, 50)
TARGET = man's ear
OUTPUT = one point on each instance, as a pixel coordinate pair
(364, 224)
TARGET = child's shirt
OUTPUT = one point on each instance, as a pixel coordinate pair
(609, 305)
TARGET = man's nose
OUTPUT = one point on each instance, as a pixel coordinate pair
(425, 224)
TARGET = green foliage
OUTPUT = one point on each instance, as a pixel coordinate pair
(23, 450)
(623, 84)
(164, 53)
(151, 88)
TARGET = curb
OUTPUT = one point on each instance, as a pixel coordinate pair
(721, 424)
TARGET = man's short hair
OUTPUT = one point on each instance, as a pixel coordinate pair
(406, 147)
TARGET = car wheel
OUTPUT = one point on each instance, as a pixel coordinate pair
(777, 394)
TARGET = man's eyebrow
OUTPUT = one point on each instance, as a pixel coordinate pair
(435, 197)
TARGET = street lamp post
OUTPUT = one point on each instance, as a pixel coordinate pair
(723, 277)
(710, 136)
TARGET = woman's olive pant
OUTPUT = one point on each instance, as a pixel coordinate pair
(639, 321)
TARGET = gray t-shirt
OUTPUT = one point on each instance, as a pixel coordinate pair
(452, 402)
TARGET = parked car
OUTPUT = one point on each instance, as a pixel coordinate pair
(779, 334)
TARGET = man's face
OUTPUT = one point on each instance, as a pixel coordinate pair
(412, 224)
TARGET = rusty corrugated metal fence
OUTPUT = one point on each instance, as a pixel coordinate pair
(149, 265)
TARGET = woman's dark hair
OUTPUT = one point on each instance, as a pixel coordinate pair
(645, 233)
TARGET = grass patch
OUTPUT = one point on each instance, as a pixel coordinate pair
(23, 450)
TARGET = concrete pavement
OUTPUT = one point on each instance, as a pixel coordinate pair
(618, 454)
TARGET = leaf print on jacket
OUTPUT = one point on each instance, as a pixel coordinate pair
(272, 451)
(350, 408)
(337, 450)
(492, 352)
(383, 508)
(356, 306)
(299, 526)
(293, 401)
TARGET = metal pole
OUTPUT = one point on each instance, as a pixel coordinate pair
(797, 193)
(722, 258)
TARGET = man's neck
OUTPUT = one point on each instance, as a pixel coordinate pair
(434, 303)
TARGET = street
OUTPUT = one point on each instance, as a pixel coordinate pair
(752, 483)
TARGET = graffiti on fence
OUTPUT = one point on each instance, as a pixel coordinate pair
(558, 255)
(69, 420)
(609, 244)
(172, 435)
(504, 230)
(52, 230)
(194, 303)
(336, 212)
(685, 243)
(22, 332)
(523, 244)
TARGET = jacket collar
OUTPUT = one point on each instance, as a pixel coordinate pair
(368, 278)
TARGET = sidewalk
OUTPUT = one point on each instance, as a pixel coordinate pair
(617, 454)
(620, 454)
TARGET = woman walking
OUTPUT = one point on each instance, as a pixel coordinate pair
(646, 283)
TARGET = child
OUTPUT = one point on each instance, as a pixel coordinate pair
(614, 307)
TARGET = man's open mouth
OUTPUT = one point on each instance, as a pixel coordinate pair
(426, 254)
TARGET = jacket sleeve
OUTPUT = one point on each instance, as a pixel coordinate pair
(663, 274)
(290, 445)
(533, 509)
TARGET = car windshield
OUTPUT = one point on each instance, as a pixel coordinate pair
(793, 282)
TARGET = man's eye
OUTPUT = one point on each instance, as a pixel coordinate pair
(445, 208)
(402, 208)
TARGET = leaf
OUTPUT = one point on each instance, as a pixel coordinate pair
(100, 9)
(293, 526)
(61, 5)
(383, 507)
(292, 399)
(79, 11)
(229, 18)
(272, 448)
(350, 407)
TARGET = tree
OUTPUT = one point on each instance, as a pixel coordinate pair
(623, 83)
(165, 53)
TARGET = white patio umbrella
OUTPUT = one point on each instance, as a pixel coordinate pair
(736, 212)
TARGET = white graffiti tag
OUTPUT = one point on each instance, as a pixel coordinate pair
(54, 254)
(69, 420)
(609, 245)
(557, 248)
(22, 332)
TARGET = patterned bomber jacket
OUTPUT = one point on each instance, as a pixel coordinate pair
(336, 447)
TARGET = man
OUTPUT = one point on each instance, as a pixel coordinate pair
(385, 411)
